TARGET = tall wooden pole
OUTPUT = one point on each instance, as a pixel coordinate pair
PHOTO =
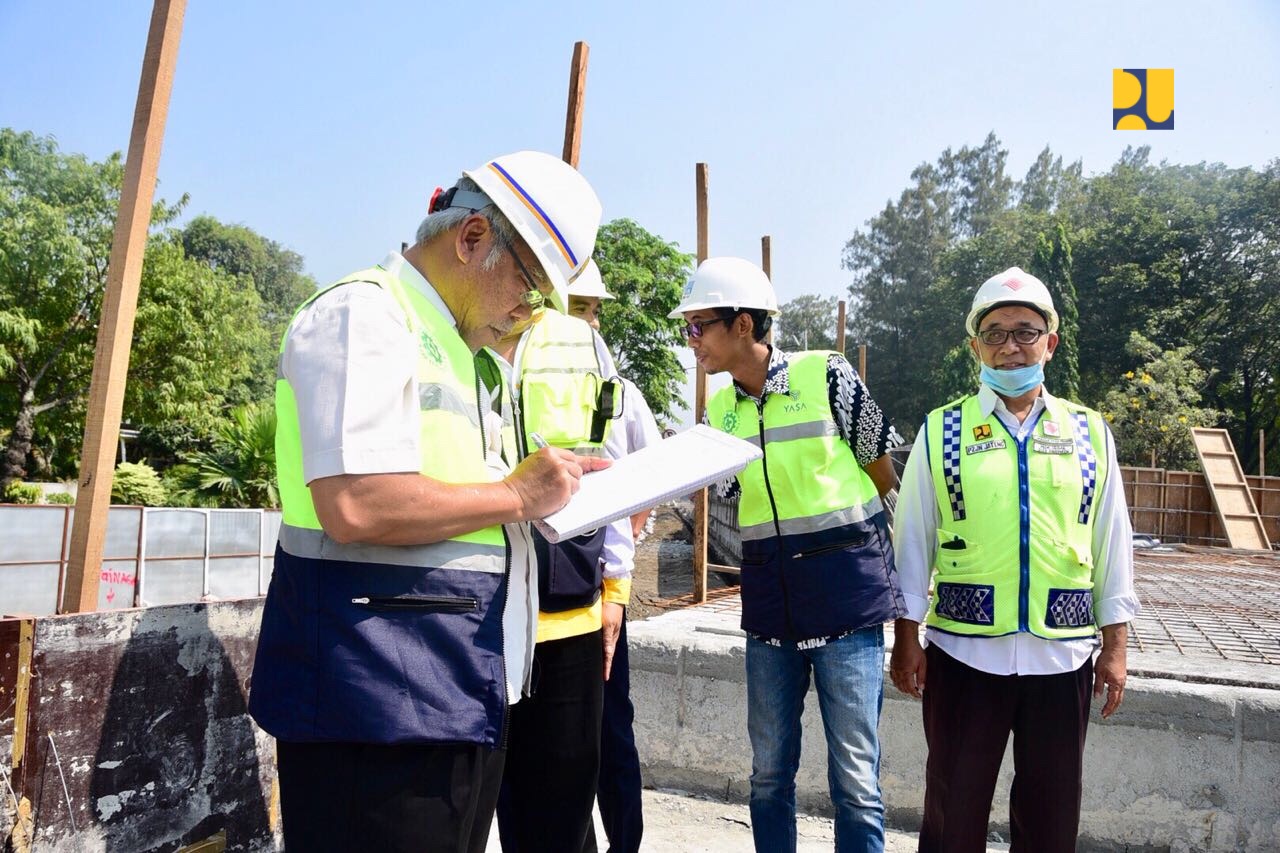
(862, 361)
(766, 264)
(699, 407)
(577, 95)
(840, 327)
(1262, 453)
(119, 306)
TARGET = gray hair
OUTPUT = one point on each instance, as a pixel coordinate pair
(504, 235)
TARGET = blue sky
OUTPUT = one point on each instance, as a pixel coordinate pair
(326, 125)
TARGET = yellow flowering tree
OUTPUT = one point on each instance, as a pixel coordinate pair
(1155, 405)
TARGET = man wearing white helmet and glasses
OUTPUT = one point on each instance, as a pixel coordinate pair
(1012, 505)
(397, 628)
(818, 581)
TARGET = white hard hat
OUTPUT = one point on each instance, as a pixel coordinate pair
(589, 282)
(1011, 287)
(551, 206)
(727, 283)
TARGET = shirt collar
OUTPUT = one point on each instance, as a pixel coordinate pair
(989, 401)
(409, 276)
(777, 379)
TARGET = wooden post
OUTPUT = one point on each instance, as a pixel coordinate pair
(1262, 453)
(840, 327)
(699, 407)
(862, 361)
(577, 94)
(766, 264)
(119, 306)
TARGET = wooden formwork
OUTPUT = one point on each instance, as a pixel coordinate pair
(1176, 506)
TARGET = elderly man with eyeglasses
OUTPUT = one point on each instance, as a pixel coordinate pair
(1012, 505)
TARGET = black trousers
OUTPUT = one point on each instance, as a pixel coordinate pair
(553, 754)
(392, 799)
(619, 786)
(968, 715)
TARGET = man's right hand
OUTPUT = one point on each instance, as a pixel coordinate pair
(907, 663)
(544, 481)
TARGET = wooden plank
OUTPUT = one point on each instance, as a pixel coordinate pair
(577, 97)
(766, 264)
(840, 323)
(862, 362)
(700, 404)
(1229, 490)
(119, 306)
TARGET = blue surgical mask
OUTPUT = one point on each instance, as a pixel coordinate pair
(1013, 383)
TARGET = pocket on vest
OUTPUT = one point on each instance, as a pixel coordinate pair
(569, 573)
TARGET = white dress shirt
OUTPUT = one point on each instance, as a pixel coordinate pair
(915, 544)
(352, 364)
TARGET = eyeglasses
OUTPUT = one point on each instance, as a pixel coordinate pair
(997, 337)
(694, 330)
(533, 297)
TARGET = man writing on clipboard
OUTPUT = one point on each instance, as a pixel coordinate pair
(559, 387)
(818, 579)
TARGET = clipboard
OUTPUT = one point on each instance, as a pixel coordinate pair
(669, 469)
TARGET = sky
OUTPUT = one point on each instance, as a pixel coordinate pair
(326, 125)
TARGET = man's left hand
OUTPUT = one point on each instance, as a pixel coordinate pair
(612, 623)
(1110, 669)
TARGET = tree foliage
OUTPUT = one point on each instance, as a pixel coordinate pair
(1185, 256)
(137, 484)
(647, 275)
(1154, 407)
(198, 341)
(239, 470)
(808, 322)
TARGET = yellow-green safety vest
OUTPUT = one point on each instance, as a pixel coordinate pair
(1015, 542)
(448, 417)
(560, 386)
(812, 478)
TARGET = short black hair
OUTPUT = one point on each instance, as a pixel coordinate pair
(761, 322)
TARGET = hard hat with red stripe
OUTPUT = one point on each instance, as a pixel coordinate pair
(1011, 287)
(551, 206)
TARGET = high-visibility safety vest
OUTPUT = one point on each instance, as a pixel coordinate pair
(388, 644)
(1015, 544)
(816, 555)
(561, 392)
(562, 395)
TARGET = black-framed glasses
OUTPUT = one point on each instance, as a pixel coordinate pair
(1024, 337)
(533, 297)
(695, 330)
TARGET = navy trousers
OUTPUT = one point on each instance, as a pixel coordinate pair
(618, 791)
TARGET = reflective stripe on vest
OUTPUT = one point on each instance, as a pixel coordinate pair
(1015, 543)
(808, 471)
(451, 435)
(559, 384)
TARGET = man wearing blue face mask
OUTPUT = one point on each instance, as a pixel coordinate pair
(1012, 505)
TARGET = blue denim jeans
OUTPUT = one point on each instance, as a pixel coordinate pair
(849, 676)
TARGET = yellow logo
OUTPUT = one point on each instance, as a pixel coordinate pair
(1142, 98)
(982, 431)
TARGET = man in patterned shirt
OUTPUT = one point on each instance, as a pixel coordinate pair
(1012, 503)
(818, 580)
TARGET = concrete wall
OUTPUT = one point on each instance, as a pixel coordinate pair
(1181, 766)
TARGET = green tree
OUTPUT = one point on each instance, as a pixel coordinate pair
(137, 484)
(647, 275)
(196, 336)
(808, 322)
(1052, 265)
(1154, 407)
(240, 468)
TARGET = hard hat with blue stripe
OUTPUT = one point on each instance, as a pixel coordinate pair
(552, 207)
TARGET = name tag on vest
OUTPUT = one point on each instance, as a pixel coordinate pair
(1052, 445)
(984, 446)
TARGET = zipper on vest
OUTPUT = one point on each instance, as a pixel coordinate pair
(773, 507)
(502, 642)
(421, 603)
(826, 549)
